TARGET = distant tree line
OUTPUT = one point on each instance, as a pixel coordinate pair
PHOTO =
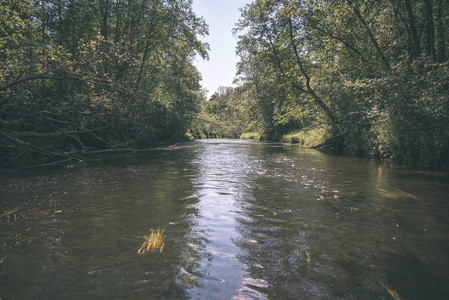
(79, 77)
(233, 111)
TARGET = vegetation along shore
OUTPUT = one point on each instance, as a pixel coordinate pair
(81, 78)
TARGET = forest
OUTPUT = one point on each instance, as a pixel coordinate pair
(371, 76)
(86, 77)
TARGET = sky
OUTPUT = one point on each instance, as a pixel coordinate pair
(221, 16)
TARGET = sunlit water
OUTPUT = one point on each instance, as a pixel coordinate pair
(222, 219)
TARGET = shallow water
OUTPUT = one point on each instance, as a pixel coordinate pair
(225, 219)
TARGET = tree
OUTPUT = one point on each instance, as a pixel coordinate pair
(362, 64)
(94, 76)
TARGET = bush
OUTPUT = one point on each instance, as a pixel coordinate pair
(250, 136)
(295, 140)
(412, 123)
(308, 136)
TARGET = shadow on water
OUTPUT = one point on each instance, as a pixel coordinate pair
(76, 233)
(225, 219)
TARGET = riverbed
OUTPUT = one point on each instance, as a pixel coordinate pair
(225, 219)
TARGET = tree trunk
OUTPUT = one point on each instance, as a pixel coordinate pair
(310, 90)
(104, 31)
(362, 20)
(430, 30)
(414, 33)
(441, 40)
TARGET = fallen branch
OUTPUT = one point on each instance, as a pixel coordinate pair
(46, 165)
(44, 135)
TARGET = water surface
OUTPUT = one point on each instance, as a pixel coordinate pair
(225, 219)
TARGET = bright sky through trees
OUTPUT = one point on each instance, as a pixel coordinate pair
(221, 17)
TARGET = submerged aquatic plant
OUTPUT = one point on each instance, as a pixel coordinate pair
(394, 193)
(307, 256)
(308, 259)
(8, 212)
(154, 242)
(392, 292)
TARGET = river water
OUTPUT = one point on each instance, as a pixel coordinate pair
(225, 219)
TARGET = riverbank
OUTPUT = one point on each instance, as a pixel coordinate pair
(349, 144)
(308, 137)
(73, 157)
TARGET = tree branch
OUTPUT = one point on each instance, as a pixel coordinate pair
(362, 20)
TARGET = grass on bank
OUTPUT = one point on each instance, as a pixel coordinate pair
(250, 136)
(308, 136)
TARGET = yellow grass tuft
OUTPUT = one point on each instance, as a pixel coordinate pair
(8, 212)
(392, 293)
(154, 242)
(250, 136)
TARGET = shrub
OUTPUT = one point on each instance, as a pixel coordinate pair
(250, 136)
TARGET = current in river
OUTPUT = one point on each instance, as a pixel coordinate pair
(225, 219)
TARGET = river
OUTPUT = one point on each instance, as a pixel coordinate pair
(225, 219)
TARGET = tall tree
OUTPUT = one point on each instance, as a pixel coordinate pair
(80, 76)
(368, 66)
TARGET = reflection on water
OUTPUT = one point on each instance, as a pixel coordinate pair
(222, 219)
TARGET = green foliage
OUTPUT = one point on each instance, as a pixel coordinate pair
(413, 127)
(250, 136)
(308, 136)
(227, 114)
(103, 74)
(376, 71)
